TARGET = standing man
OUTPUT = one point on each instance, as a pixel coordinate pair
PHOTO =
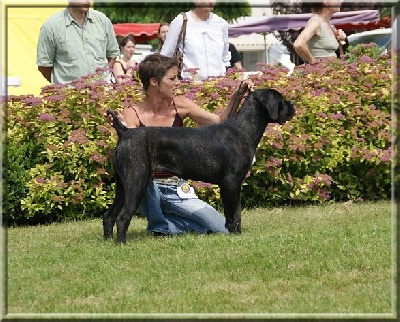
(75, 42)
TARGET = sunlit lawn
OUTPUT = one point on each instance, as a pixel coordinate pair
(294, 261)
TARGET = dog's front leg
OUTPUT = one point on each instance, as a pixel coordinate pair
(232, 208)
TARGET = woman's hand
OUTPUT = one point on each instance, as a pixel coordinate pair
(131, 63)
(245, 86)
(340, 35)
(109, 118)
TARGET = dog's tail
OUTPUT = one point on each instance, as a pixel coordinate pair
(121, 128)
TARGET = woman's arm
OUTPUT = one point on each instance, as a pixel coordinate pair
(118, 72)
(188, 108)
(237, 97)
(300, 45)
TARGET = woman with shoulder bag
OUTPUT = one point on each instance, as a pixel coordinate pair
(205, 46)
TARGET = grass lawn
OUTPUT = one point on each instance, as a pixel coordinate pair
(334, 260)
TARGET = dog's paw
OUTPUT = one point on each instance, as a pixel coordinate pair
(234, 228)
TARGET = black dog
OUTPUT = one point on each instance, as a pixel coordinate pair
(219, 153)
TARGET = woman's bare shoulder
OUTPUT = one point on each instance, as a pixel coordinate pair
(313, 26)
(117, 61)
(185, 106)
(314, 22)
(183, 100)
(131, 116)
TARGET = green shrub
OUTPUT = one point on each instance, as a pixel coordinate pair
(337, 147)
(370, 50)
(19, 157)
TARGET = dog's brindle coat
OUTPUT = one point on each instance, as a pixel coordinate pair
(219, 153)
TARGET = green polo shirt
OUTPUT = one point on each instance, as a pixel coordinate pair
(75, 51)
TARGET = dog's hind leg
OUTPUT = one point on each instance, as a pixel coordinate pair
(112, 212)
(133, 194)
(230, 195)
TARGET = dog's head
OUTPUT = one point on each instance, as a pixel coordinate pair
(279, 110)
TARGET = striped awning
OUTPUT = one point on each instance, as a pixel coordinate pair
(254, 41)
(141, 32)
(348, 20)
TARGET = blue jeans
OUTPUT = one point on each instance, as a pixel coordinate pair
(167, 213)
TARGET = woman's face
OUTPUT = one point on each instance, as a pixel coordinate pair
(128, 50)
(333, 5)
(205, 4)
(163, 32)
(169, 82)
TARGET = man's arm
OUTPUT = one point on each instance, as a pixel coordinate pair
(46, 72)
(226, 54)
(112, 47)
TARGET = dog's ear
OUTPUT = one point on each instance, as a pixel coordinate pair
(269, 100)
(287, 111)
(273, 109)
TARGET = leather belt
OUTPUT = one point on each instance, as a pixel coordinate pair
(170, 180)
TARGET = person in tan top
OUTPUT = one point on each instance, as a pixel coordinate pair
(319, 39)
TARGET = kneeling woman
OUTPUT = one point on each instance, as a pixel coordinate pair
(169, 209)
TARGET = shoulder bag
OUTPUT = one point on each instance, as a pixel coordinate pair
(177, 53)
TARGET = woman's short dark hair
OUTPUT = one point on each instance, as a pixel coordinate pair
(155, 65)
(124, 41)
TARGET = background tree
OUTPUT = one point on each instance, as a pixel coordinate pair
(145, 12)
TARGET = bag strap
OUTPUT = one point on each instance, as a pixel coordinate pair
(182, 34)
(341, 50)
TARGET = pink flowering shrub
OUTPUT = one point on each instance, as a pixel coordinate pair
(336, 148)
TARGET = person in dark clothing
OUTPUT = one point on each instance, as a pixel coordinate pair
(235, 57)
